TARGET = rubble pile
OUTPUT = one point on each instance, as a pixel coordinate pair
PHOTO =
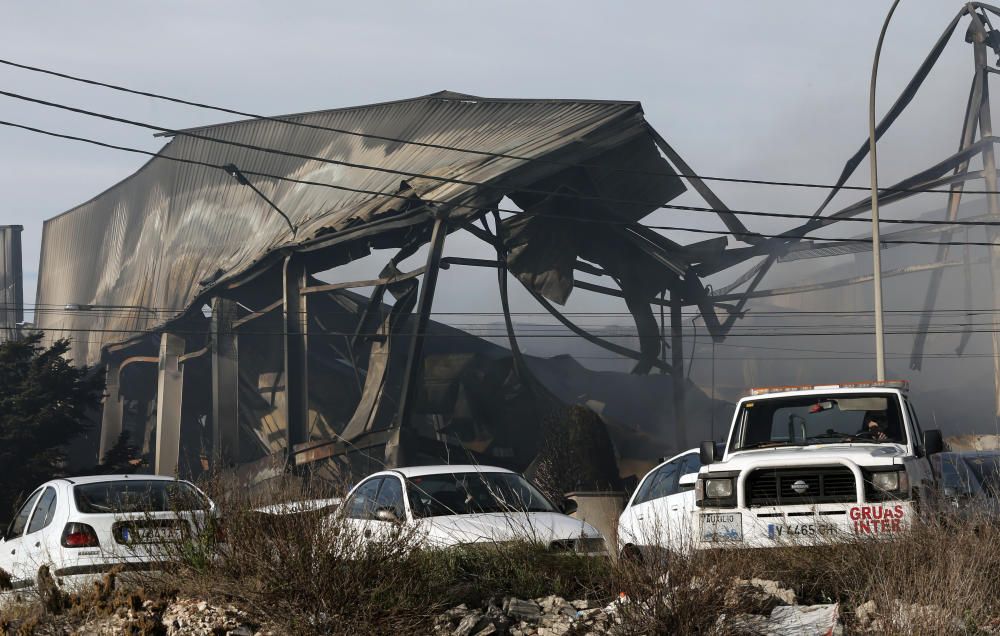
(555, 616)
(776, 610)
(545, 616)
(181, 617)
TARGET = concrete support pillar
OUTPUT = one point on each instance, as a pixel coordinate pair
(169, 391)
(296, 319)
(225, 384)
(111, 418)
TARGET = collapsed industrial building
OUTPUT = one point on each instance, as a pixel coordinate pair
(206, 284)
(213, 286)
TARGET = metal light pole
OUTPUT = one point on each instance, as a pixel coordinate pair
(876, 246)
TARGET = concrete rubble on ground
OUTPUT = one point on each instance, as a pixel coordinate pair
(554, 616)
(181, 617)
(191, 617)
(545, 616)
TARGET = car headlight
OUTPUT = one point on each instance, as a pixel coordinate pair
(887, 481)
(718, 488)
(591, 545)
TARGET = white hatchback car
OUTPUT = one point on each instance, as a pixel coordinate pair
(660, 512)
(450, 505)
(81, 527)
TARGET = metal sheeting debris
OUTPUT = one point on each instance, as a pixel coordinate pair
(147, 245)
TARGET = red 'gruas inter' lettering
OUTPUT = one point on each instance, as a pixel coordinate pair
(876, 519)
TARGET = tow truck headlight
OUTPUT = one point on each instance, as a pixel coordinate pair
(893, 481)
(886, 481)
(718, 488)
(716, 491)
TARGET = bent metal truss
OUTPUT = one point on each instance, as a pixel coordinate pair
(241, 217)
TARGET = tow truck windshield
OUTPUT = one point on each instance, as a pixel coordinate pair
(818, 419)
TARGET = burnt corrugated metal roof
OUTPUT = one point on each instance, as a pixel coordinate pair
(150, 240)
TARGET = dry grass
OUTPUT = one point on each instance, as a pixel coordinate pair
(306, 576)
(310, 573)
(52, 611)
(942, 576)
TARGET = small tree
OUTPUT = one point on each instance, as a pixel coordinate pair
(124, 458)
(44, 401)
(576, 453)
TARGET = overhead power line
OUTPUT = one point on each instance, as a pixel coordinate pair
(327, 160)
(470, 207)
(151, 313)
(764, 312)
(474, 151)
(503, 334)
(467, 182)
(500, 187)
(759, 356)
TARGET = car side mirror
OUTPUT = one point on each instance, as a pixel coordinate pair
(387, 514)
(933, 443)
(707, 454)
(568, 506)
(687, 481)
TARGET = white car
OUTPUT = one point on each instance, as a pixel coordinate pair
(81, 527)
(452, 505)
(659, 513)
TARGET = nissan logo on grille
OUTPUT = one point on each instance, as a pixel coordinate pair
(800, 487)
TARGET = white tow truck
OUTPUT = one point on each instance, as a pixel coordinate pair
(811, 464)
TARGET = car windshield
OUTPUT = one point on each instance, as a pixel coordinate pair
(473, 492)
(137, 495)
(819, 419)
(972, 474)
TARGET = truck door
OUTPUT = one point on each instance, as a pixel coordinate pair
(918, 467)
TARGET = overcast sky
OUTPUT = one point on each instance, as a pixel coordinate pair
(771, 90)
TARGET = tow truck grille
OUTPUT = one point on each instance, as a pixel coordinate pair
(790, 486)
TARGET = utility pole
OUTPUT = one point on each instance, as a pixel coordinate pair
(876, 245)
(978, 36)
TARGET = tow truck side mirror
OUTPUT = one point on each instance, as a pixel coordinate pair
(707, 454)
(933, 442)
